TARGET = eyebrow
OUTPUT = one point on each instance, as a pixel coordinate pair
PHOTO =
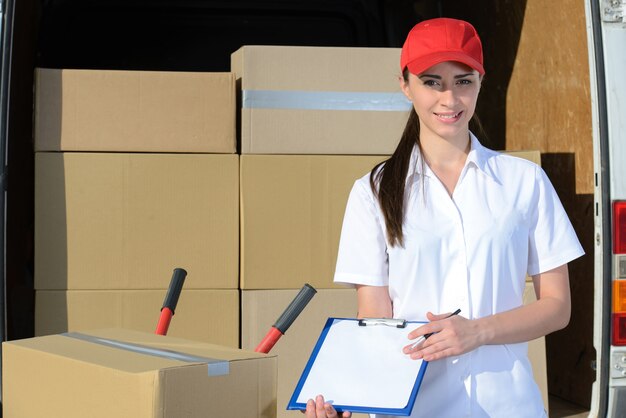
(438, 77)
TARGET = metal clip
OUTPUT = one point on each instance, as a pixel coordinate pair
(390, 322)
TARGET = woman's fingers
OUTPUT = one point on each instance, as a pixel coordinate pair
(310, 409)
(435, 351)
(323, 409)
(449, 336)
(430, 327)
(436, 317)
(319, 409)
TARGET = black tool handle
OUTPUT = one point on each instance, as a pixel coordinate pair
(173, 292)
(295, 308)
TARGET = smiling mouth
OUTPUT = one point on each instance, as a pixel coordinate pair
(449, 116)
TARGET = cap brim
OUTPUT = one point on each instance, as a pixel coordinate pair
(422, 64)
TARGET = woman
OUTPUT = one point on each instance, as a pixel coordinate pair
(448, 224)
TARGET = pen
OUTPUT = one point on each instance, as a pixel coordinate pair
(423, 337)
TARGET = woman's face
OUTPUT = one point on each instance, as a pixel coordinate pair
(444, 97)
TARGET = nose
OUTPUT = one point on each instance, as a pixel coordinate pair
(448, 98)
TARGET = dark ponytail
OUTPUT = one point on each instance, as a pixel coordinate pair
(387, 180)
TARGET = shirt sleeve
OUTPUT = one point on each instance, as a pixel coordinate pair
(362, 257)
(552, 239)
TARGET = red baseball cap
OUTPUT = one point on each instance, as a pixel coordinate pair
(442, 39)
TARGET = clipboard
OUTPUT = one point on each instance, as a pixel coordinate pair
(361, 368)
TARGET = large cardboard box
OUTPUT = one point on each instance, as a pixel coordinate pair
(319, 100)
(259, 311)
(142, 111)
(292, 209)
(125, 221)
(530, 155)
(122, 373)
(201, 315)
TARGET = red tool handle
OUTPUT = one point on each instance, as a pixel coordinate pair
(286, 319)
(171, 299)
(269, 340)
(164, 321)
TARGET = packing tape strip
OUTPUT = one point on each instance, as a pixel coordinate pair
(215, 367)
(325, 100)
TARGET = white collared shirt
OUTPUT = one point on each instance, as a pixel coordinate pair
(470, 251)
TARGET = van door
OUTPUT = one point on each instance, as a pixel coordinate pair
(6, 20)
(606, 26)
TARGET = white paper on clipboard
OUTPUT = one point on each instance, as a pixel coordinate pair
(361, 369)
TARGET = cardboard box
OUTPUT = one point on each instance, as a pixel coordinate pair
(122, 373)
(125, 221)
(259, 311)
(532, 155)
(201, 315)
(292, 209)
(143, 111)
(319, 100)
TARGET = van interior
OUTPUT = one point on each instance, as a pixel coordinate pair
(535, 96)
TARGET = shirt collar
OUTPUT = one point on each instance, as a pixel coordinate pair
(477, 157)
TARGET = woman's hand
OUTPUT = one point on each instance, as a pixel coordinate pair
(451, 336)
(319, 409)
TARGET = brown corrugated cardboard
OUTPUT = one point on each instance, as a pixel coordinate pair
(122, 373)
(292, 209)
(125, 221)
(143, 111)
(201, 315)
(259, 311)
(534, 156)
(280, 115)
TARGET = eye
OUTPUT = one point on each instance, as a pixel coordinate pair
(464, 81)
(431, 83)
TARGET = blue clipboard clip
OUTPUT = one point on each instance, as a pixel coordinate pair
(390, 322)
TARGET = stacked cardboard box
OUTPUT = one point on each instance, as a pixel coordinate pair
(308, 100)
(292, 210)
(136, 175)
(123, 373)
(134, 111)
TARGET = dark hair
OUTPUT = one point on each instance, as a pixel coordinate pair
(387, 179)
